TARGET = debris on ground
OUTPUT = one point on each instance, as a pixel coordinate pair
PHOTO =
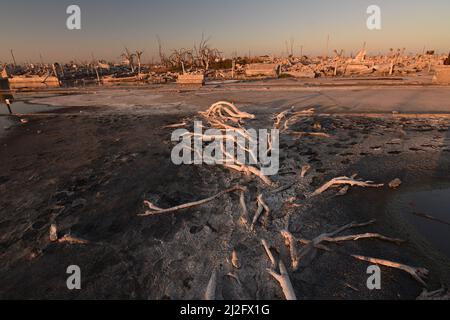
(394, 184)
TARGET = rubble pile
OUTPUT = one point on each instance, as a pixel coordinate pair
(395, 64)
(208, 62)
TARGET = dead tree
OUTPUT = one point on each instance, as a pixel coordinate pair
(139, 54)
(128, 58)
(162, 57)
(181, 58)
(204, 54)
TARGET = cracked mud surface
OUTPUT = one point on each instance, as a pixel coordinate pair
(89, 173)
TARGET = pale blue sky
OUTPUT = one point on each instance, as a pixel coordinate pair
(263, 26)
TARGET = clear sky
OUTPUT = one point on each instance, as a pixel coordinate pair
(38, 27)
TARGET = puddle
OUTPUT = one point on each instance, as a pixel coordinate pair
(4, 123)
(22, 107)
(19, 107)
(435, 204)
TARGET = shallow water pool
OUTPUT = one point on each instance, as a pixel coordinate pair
(428, 211)
(23, 107)
(20, 107)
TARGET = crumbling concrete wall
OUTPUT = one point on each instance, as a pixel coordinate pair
(262, 69)
(191, 79)
(442, 75)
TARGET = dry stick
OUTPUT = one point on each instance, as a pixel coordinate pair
(305, 170)
(265, 206)
(348, 285)
(429, 217)
(355, 237)
(279, 117)
(316, 243)
(225, 105)
(346, 227)
(284, 281)
(441, 294)
(419, 274)
(345, 180)
(232, 158)
(66, 238)
(244, 213)
(235, 260)
(250, 169)
(313, 134)
(343, 191)
(216, 111)
(295, 117)
(282, 277)
(258, 212)
(262, 206)
(152, 206)
(191, 204)
(290, 242)
(72, 240)
(235, 277)
(53, 233)
(237, 166)
(175, 125)
(283, 188)
(216, 119)
(269, 253)
(210, 293)
(217, 124)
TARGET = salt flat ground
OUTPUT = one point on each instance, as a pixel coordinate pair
(89, 167)
(345, 99)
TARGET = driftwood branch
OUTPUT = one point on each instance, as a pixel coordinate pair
(289, 117)
(441, 294)
(309, 246)
(305, 170)
(210, 293)
(312, 134)
(291, 243)
(419, 274)
(244, 212)
(345, 181)
(72, 240)
(249, 170)
(282, 277)
(175, 125)
(430, 217)
(224, 116)
(356, 237)
(284, 281)
(235, 260)
(269, 253)
(262, 207)
(155, 211)
(67, 238)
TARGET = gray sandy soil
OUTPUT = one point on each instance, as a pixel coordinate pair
(88, 169)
